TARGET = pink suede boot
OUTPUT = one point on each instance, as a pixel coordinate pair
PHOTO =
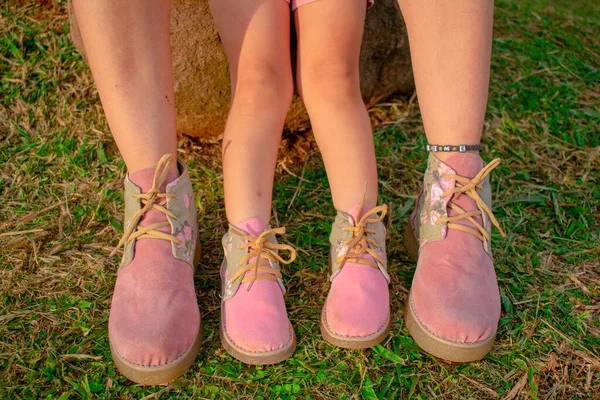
(356, 314)
(255, 327)
(154, 326)
(454, 304)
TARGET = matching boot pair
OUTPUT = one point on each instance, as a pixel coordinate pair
(254, 324)
(453, 309)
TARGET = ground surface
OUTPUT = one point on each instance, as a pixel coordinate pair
(61, 204)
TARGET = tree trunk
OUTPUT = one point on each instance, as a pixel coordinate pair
(202, 89)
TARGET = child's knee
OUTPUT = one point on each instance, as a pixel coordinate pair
(264, 88)
(330, 80)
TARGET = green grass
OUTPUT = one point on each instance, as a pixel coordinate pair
(61, 204)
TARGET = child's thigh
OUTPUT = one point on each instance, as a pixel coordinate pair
(329, 39)
(255, 33)
(330, 28)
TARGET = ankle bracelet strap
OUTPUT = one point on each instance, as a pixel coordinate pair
(461, 148)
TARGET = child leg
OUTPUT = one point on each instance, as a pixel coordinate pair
(356, 312)
(254, 324)
(256, 36)
(329, 39)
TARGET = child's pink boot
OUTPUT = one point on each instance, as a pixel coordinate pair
(454, 304)
(255, 327)
(154, 327)
(356, 314)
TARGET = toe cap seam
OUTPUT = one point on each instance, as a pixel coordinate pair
(414, 311)
(285, 345)
(379, 330)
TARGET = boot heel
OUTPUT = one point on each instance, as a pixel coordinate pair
(197, 255)
(410, 242)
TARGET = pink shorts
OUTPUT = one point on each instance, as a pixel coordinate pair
(297, 3)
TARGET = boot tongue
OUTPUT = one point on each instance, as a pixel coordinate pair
(353, 212)
(467, 165)
(253, 226)
(144, 179)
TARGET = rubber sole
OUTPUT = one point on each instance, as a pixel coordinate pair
(162, 374)
(353, 342)
(255, 358)
(439, 347)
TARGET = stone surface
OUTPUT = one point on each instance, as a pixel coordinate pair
(202, 89)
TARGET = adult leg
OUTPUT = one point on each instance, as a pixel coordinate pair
(454, 304)
(128, 49)
(450, 43)
(154, 324)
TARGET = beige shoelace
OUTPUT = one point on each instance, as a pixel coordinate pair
(469, 187)
(153, 199)
(358, 244)
(265, 252)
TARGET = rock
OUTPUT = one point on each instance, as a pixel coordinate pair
(202, 87)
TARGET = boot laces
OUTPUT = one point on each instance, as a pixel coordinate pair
(265, 252)
(469, 187)
(153, 199)
(358, 244)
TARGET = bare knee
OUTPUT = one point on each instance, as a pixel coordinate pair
(263, 88)
(329, 81)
